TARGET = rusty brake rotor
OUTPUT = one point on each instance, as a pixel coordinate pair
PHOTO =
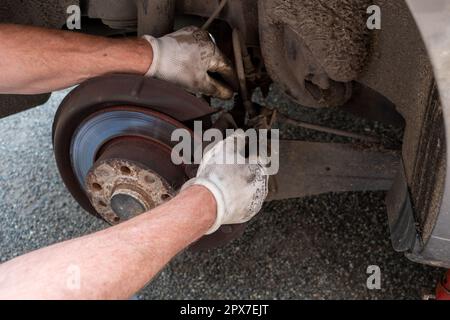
(121, 117)
(111, 138)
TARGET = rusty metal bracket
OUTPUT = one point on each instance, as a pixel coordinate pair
(312, 168)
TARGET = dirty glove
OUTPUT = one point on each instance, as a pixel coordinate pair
(239, 189)
(186, 56)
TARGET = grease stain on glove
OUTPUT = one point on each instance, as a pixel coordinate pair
(187, 57)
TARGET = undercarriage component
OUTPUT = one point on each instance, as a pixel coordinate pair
(239, 14)
(133, 171)
(112, 143)
(214, 15)
(105, 109)
(369, 104)
(311, 126)
(312, 168)
(120, 190)
(117, 14)
(154, 17)
(314, 49)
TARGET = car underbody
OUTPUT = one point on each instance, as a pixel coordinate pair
(320, 53)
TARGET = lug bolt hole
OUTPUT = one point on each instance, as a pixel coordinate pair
(149, 179)
(125, 170)
(96, 186)
(165, 196)
(116, 219)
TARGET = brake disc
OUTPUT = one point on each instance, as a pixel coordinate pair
(118, 122)
(122, 157)
(111, 138)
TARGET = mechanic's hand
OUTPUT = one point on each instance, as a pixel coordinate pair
(186, 56)
(239, 189)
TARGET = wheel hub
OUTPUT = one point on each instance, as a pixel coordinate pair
(120, 189)
(112, 143)
(129, 171)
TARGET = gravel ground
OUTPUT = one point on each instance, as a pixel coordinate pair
(312, 248)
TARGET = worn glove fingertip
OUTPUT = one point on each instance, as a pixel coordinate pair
(220, 90)
(225, 94)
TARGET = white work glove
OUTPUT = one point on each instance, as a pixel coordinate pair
(186, 56)
(239, 189)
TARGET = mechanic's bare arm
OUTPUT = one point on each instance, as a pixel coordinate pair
(38, 60)
(117, 262)
(114, 263)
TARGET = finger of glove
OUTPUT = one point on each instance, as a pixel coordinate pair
(183, 31)
(220, 64)
(246, 153)
(217, 89)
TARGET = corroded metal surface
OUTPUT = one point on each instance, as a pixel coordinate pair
(312, 168)
(314, 51)
(132, 175)
(115, 91)
(120, 189)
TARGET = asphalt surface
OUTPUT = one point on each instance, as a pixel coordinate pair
(312, 248)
